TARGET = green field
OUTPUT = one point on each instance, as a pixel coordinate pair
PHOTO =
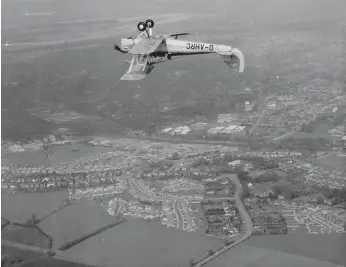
(136, 243)
(25, 235)
(11, 253)
(75, 221)
(246, 255)
(57, 154)
(323, 248)
(333, 161)
(20, 207)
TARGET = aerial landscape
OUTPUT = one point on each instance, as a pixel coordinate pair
(195, 165)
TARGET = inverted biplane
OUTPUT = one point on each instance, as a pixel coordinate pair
(148, 50)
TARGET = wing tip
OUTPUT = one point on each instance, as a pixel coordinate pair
(132, 77)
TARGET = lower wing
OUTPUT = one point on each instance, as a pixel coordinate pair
(133, 76)
(137, 72)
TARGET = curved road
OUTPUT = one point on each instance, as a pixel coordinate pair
(245, 217)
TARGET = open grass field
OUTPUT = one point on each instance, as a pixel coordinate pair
(135, 243)
(75, 220)
(25, 235)
(11, 252)
(57, 155)
(41, 261)
(20, 207)
(323, 248)
(246, 255)
(332, 161)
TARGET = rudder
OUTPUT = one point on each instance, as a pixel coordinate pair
(234, 60)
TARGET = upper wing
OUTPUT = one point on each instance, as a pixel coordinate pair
(146, 46)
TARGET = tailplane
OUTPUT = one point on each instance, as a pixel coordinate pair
(234, 60)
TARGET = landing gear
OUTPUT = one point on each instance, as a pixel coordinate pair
(141, 26)
(149, 23)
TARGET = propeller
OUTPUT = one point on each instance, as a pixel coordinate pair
(180, 34)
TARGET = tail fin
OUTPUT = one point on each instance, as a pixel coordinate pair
(234, 60)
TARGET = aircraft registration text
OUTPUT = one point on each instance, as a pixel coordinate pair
(197, 46)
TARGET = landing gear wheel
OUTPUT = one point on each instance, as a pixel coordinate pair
(150, 23)
(141, 26)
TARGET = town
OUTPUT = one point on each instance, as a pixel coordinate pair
(188, 187)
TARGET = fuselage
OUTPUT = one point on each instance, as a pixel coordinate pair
(148, 50)
(174, 47)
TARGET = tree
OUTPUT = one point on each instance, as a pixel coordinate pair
(228, 242)
(45, 184)
(319, 199)
(55, 178)
(210, 252)
(334, 201)
(245, 191)
(287, 194)
(272, 196)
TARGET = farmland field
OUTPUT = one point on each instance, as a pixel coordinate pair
(14, 253)
(320, 247)
(62, 153)
(136, 243)
(246, 255)
(25, 235)
(333, 161)
(75, 220)
(19, 207)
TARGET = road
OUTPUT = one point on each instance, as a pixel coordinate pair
(135, 186)
(178, 212)
(283, 136)
(245, 217)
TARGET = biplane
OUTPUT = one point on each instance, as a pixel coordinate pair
(148, 50)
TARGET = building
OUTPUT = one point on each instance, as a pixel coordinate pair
(343, 140)
(271, 106)
(234, 163)
(149, 208)
(166, 206)
(247, 106)
(167, 130)
(224, 118)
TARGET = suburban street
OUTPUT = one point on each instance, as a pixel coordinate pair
(245, 217)
(180, 217)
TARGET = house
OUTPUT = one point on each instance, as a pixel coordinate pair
(166, 206)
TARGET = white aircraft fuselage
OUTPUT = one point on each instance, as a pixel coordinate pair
(148, 50)
(173, 47)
